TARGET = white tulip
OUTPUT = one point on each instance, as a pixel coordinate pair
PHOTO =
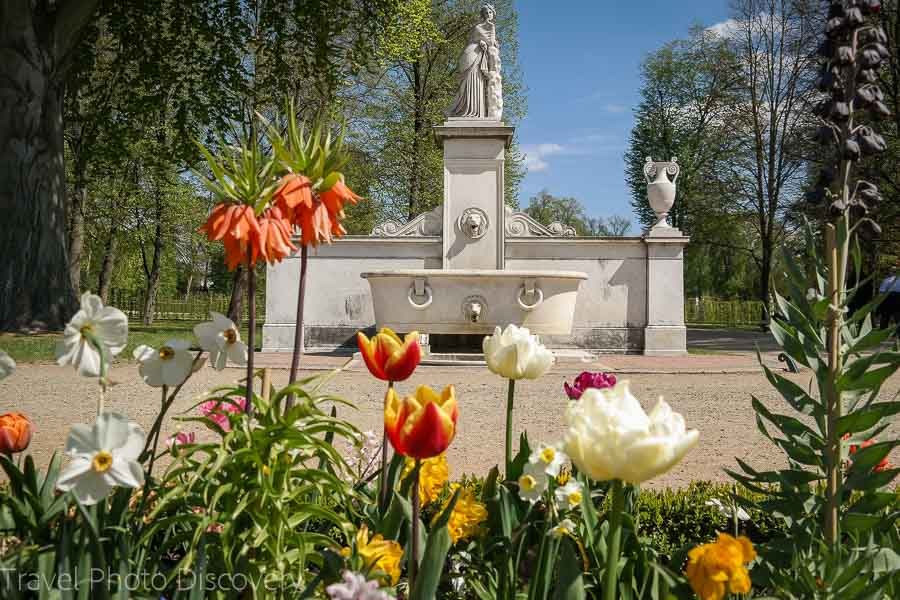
(221, 339)
(532, 483)
(103, 456)
(7, 365)
(609, 436)
(569, 496)
(516, 354)
(170, 365)
(550, 458)
(107, 325)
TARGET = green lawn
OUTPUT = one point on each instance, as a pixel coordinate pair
(41, 347)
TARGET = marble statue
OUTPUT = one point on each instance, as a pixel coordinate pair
(480, 94)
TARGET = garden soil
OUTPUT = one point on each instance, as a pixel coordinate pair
(718, 405)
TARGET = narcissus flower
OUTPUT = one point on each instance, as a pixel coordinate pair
(378, 553)
(433, 475)
(565, 528)
(719, 568)
(569, 496)
(532, 483)
(467, 516)
(103, 456)
(93, 324)
(516, 354)
(609, 436)
(550, 458)
(170, 365)
(15, 433)
(421, 426)
(222, 340)
(587, 380)
(7, 365)
(387, 356)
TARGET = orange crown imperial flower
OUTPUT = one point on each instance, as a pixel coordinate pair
(719, 568)
(267, 236)
(421, 426)
(387, 356)
(15, 433)
(295, 190)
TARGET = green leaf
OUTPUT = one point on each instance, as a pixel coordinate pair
(865, 418)
(429, 575)
(860, 522)
(570, 582)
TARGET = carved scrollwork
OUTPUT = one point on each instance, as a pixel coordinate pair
(519, 224)
(425, 225)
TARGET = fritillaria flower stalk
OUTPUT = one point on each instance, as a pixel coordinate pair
(854, 49)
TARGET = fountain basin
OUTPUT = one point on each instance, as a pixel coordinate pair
(474, 301)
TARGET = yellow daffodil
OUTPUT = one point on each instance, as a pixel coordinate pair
(432, 476)
(719, 568)
(467, 516)
(378, 553)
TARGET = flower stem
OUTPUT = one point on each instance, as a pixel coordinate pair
(382, 477)
(615, 540)
(251, 333)
(835, 255)
(101, 401)
(510, 398)
(414, 529)
(298, 330)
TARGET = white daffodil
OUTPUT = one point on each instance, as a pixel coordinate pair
(550, 458)
(103, 456)
(532, 483)
(170, 365)
(105, 325)
(565, 527)
(728, 510)
(516, 354)
(7, 365)
(568, 497)
(609, 436)
(221, 339)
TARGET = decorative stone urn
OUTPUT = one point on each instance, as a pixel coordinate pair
(660, 189)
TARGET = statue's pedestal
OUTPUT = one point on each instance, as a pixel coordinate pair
(665, 333)
(474, 159)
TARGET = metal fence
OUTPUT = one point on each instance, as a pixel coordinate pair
(195, 308)
(705, 311)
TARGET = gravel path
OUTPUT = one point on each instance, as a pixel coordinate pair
(718, 405)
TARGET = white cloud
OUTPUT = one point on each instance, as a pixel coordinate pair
(535, 155)
(725, 29)
(615, 108)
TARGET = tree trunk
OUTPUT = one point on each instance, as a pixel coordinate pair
(35, 288)
(236, 305)
(76, 232)
(106, 268)
(765, 276)
(154, 272)
(187, 288)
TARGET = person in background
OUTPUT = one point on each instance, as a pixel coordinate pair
(890, 307)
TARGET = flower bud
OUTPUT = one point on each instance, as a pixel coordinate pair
(871, 56)
(851, 150)
(855, 17)
(15, 433)
(845, 55)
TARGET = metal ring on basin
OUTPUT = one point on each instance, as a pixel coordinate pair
(429, 297)
(530, 307)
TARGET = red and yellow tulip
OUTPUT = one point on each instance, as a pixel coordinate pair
(421, 426)
(388, 357)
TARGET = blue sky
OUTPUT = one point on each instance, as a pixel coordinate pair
(581, 61)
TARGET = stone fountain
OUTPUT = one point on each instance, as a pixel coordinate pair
(473, 263)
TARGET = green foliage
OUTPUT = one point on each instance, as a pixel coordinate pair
(272, 490)
(546, 208)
